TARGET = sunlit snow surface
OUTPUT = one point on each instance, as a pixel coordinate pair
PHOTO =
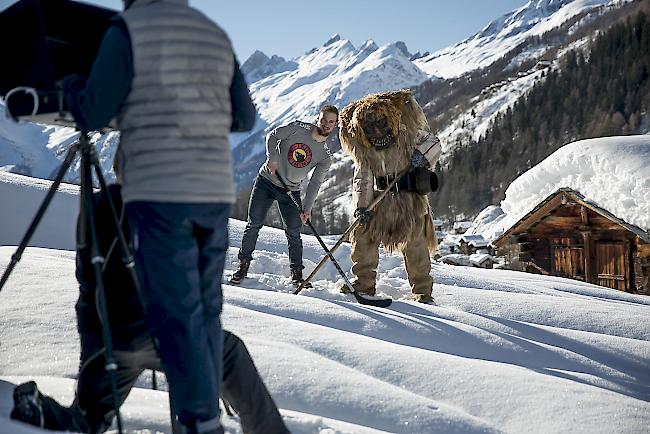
(502, 352)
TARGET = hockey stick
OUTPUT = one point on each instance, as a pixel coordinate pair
(384, 302)
(352, 226)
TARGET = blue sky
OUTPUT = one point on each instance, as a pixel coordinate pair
(289, 28)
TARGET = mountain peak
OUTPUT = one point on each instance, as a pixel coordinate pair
(397, 48)
(534, 18)
(401, 46)
(335, 38)
(259, 66)
(369, 45)
(254, 60)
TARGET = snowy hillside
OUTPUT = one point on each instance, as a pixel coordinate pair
(504, 34)
(483, 109)
(503, 352)
(611, 172)
(21, 196)
(38, 150)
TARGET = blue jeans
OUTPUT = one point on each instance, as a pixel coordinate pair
(180, 250)
(262, 197)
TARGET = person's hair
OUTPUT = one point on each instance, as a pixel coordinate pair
(331, 109)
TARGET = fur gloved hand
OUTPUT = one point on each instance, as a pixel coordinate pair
(364, 215)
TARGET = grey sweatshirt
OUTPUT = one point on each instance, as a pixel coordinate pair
(297, 153)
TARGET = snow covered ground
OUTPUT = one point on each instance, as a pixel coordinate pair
(503, 352)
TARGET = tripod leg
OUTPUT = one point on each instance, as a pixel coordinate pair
(127, 257)
(129, 262)
(87, 154)
(41, 211)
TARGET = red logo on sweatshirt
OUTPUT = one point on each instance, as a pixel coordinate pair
(299, 155)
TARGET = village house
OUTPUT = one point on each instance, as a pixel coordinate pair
(482, 260)
(437, 225)
(461, 227)
(567, 236)
(470, 244)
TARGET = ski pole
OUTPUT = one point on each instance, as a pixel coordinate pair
(360, 299)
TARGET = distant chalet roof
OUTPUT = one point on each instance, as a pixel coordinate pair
(455, 259)
(480, 258)
(475, 240)
(554, 201)
(462, 225)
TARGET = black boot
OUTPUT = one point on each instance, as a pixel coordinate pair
(28, 405)
(241, 272)
(296, 278)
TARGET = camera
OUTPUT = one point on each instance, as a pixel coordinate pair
(44, 41)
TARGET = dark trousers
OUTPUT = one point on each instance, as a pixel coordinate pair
(180, 250)
(92, 409)
(262, 197)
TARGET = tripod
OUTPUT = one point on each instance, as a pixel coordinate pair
(89, 161)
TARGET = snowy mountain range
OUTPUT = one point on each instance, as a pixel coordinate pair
(337, 73)
(504, 34)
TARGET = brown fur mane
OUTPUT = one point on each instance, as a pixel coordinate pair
(398, 216)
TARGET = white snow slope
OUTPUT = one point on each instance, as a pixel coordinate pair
(503, 352)
(610, 172)
(502, 35)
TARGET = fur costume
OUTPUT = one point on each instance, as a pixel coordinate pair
(401, 216)
(397, 214)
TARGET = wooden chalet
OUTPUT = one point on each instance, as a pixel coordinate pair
(569, 237)
(470, 244)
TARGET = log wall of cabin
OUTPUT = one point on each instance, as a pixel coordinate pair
(642, 268)
(574, 241)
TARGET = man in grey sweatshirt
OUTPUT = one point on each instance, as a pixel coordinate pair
(292, 150)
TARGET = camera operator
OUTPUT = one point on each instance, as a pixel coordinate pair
(170, 77)
(92, 410)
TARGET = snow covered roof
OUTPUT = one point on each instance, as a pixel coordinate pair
(475, 240)
(455, 259)
(610, 173)
(479, 258)
(462, 225)
(552, 202)
(450, 240)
